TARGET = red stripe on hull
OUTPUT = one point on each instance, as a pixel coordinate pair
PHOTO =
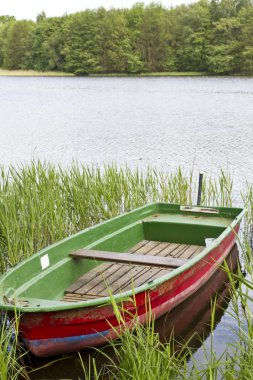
(90, 321)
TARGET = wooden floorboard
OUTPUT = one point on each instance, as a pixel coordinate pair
(146, 277)
(140, 247)
(99, 283)
(130, 279)
(95, 273)
(121, 277)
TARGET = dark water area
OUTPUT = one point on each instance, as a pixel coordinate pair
(192, 318)
(205, 122)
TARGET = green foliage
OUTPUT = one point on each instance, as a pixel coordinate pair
(153, 38)
(207, 36)
(225, 50)
(191, 35)
(17, 50)
(82, 46)
(118, 52)
(5, 22)
(246, 21)
(47, 44)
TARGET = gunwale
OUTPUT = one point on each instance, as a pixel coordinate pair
(49, 306)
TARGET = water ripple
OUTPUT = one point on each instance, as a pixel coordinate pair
(164, 122)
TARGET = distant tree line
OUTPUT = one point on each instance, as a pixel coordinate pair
(213, 36)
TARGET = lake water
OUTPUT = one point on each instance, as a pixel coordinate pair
(206, 122)
(164, 122)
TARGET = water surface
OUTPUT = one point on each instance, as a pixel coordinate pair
(166, 122)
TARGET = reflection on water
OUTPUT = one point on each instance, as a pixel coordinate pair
(191, 318)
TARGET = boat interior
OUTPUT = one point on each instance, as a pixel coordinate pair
(115, 277)
(136, 248)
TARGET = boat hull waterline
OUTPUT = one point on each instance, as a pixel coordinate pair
(49, 340)
(72, 326)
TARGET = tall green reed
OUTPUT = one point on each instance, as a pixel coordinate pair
(138, 351)
(218, 191)
(11, 355)
(239, 361)
(247, 196)
(41, 203)
(141, 355)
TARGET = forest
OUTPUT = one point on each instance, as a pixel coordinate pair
(214, 37)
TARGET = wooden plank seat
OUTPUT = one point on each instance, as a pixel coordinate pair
(122, 276)
(128, 258)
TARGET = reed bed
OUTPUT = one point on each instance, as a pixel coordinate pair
(141, 355)
(11, 354)
(41, 203)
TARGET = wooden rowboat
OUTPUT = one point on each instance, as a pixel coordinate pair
(152, 258)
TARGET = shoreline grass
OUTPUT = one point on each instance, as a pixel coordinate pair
(33, 73)
(159, 74)
(42, 203)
